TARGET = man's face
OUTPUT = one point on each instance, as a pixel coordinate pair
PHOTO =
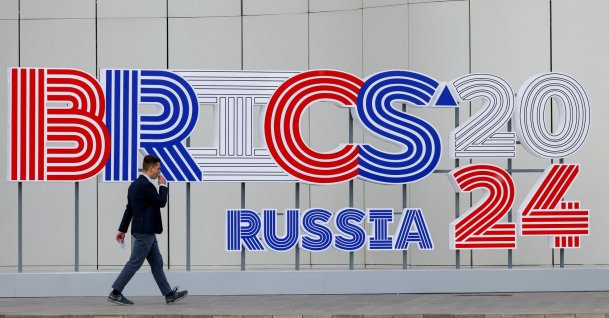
(155, 171)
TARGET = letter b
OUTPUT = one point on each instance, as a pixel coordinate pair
(56, 125)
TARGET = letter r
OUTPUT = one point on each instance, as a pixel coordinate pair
(159, 132)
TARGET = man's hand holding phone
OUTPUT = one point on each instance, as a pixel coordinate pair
(120, 238)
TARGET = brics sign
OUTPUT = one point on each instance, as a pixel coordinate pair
(65, 125)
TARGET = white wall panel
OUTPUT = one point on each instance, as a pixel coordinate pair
(260, 7)
(580, 47)
(204, 8)
(176, 226)
(57, 9)
(530, 250)
(435, 197)
(385, 45)
(385, 39)
(209, 204)
(494, 257)
(427, 1)
(439, 48)
(209, 201)
(216, 46)
(65, 43)
(111, 205)
(45, 245)
(205, 43)
(335, 43)
(126, 43)
(383, 3)
(384, 196)
(59, 43)
(9, 9)
(275, 42)
(87, 233)
(335, 198)
(135, 43)
(361, 37)
(277, 196)
(131, 8)
(334, 5)
(9, 57)
(513, 52)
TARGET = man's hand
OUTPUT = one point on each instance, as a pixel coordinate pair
(162, 180)
(120, 237)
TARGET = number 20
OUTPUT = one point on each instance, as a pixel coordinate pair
(479, 136)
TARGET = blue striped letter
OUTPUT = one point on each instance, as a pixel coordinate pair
(174, 115)
(323, 235)
(380, 240)
(420, 141)
(242, 226)
(348, 221)
(290, 239)
(420, 235)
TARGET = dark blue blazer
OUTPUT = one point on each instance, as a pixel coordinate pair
(144, 205)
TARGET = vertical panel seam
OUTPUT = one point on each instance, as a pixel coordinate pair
(96, 183)
(167, 67)
(19, 184)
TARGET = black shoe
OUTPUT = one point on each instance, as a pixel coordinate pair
(119, 299)
(175, 296)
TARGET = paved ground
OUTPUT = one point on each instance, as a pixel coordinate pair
(580, 304)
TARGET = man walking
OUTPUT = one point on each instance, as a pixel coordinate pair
(144, 205)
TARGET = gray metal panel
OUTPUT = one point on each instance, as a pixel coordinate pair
(435, 29)
(435, 43)
(88, 215)
(383, 3)
(204, 8)
(9, 57)
(176, 227)
(334, 5)
(497, 48)
(131, 8)
(65, 43)
(9, 9)
(580, 49)
(57, 9)
(205, 43)
(116, 48)
(314, 282)
(260, 7)
(278, 196)
(385, 47)
(385, 39)
(275, 42)
(335, 40)
(132, 43)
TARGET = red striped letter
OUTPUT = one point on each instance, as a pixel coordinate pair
(57, 131)
(544, 213)
(282, 126)
(479, 227)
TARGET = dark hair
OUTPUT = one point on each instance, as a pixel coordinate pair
(150, 161)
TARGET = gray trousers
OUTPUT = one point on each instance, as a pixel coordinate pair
(143, 247)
